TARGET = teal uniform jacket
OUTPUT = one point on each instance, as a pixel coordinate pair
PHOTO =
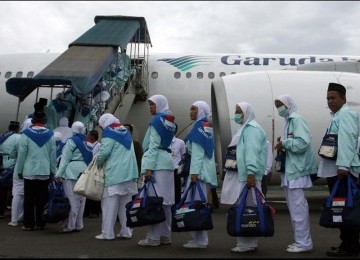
(72, 162)
(345, 124)
(201, 164)
(300, 157)
(155, 158)
(34, 160)
(7, 148)
(120, 163)
(251, 152)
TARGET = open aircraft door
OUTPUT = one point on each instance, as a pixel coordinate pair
(226, 92)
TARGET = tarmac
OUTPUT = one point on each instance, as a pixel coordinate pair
(49, 243)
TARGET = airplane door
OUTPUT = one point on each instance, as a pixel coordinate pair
(229, 90)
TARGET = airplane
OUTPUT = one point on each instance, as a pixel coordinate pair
(222, 80)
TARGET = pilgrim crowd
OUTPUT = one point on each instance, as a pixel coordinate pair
(57, 142)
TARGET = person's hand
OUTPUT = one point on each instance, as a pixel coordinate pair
(194, 178)
(148, 175)
(59, 179)
(279, 146)
(342, 173)
(251, 180)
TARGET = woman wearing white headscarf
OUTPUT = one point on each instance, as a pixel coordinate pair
(117, 156)
(299, 164)
(200, 145)
(75, 157)
(157, 165)
(250, 145)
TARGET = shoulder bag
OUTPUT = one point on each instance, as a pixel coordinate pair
(58, 206)
(91, 182)
(194, 215)
(230, 162)
(6, 177)
(338, 209)
(145, 211)
(250, 221)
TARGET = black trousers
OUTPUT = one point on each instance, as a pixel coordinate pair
(177, 182)
(349, 234)
(35, 197)
(3, 199)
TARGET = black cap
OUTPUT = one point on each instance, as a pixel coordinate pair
(43, 101)
(14, 125)
(337, 87)
(38, 117)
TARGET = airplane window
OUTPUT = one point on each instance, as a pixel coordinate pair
(233, 72)
(211, 75)
(188, 75)
(222, 74)
(200, 75)
(8, 74)
(177, 75)
(154, 75)
(19, 74)
(30, 74)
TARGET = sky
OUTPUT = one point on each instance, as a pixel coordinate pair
(197, 27)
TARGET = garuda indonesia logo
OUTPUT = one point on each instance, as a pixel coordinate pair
(187, 62)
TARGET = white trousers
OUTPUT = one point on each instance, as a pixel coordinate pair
(162, 229)
(77, 203)
(300, 219)
(17, 203)
(199, 237)
(111, 207)
(249, 242)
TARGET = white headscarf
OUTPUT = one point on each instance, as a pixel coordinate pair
(249, 115)
(58, 136)
(78, 128)
(162, 105)
(289, 102)
(64, 121)
(203, 110)
(26, 124)
(107, 119)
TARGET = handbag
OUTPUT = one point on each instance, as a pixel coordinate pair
(6, 177)
(230, 162)
(145, 211)
(91, 182)
(328, 147)
(250, 221)
(337, 210)
(194, 215)
(58, 206)
(280, 160)
(184, 165)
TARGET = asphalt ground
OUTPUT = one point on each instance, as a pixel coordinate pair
(49, 243)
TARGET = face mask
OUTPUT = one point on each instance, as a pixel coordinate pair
(282, 111)
(238, 118)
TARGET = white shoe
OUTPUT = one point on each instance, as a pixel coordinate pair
(13, 224)
(192, 244)
(148, 242)
(239, 249)
(101, 237)
(165, 240)
(295, 249)
(66, 230)
(122, 237)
